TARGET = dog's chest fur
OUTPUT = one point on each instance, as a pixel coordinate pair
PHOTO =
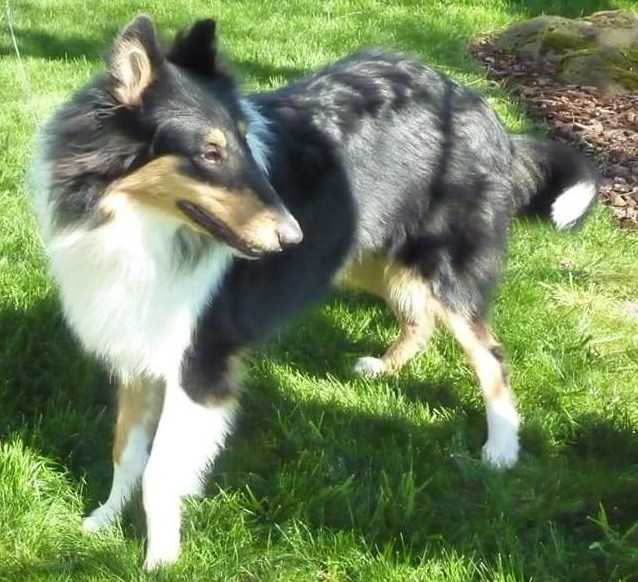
(127, 291)
(128, 295)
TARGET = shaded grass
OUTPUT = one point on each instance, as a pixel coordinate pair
(329, 477)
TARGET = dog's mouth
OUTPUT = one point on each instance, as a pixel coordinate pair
(218, 229)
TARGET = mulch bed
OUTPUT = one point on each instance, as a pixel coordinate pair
(605, 127)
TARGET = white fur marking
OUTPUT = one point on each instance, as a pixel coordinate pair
(369, 367)
(572, 204)
(123, 289)
(132, 301)
(502, 447)
(125, 293)
(126, 475)
(259, 136)
(188, 439)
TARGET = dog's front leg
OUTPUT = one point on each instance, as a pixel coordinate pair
(139, 405)
(189, 437)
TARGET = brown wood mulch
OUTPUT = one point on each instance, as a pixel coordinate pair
(605, 127)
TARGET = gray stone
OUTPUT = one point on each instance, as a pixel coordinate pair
(600, 50)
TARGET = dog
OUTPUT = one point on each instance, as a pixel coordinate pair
(184, 222)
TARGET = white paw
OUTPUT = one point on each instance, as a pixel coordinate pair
(100, 518)
(501, 455)
(161, 557)
(369, 367)
(501, 449)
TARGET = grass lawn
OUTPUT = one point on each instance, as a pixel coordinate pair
(329, 477)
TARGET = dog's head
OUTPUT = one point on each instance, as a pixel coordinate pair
(193, 162)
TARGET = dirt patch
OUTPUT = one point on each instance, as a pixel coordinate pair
(603, 126)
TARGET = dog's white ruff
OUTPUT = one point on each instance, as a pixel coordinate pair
(134, 303)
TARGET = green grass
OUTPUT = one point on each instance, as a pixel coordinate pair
(329, 477)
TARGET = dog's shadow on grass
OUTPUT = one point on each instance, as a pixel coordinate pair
(328, 341)
(56, 399)
(385, 477)
(322, 340)
(39, 43)
(417, 483)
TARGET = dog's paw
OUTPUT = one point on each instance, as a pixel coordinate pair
(369, 367)
(99, 519)
(155, 559)
(501, 449)
(501, 455)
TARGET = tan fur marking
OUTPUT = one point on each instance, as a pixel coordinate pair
(406, 293)
(160, 184)
(139, 402)
(410, 297)
(411, 341)
(485, 335)
(216, 137)
(132, 68)
(477, 341)
(364, 274)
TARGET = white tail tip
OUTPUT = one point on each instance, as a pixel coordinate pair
(572, 204)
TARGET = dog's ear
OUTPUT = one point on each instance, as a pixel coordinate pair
(196, 49)
(135, 56)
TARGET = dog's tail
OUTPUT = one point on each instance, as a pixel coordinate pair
(553, 180)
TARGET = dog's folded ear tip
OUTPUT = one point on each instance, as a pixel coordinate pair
(142, 22)
(143, 17)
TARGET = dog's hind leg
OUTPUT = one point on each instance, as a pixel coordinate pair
(409, 297)
(485, 354)
(139, 406)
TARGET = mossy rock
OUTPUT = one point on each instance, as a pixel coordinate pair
(547, 34)
(600, 50)
(612, 71)
(614, 19)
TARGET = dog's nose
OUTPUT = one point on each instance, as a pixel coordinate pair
(289, 232)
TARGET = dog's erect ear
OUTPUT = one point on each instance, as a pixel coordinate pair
(196, 49)
(135, 56)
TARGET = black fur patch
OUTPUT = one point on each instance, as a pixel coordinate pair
(196, 51)
(94, 140)
(377, 154)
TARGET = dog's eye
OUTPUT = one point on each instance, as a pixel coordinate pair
(212, 155)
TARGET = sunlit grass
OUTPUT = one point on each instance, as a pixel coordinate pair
(329, 477)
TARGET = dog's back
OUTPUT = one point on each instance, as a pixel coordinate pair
(405, 185)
